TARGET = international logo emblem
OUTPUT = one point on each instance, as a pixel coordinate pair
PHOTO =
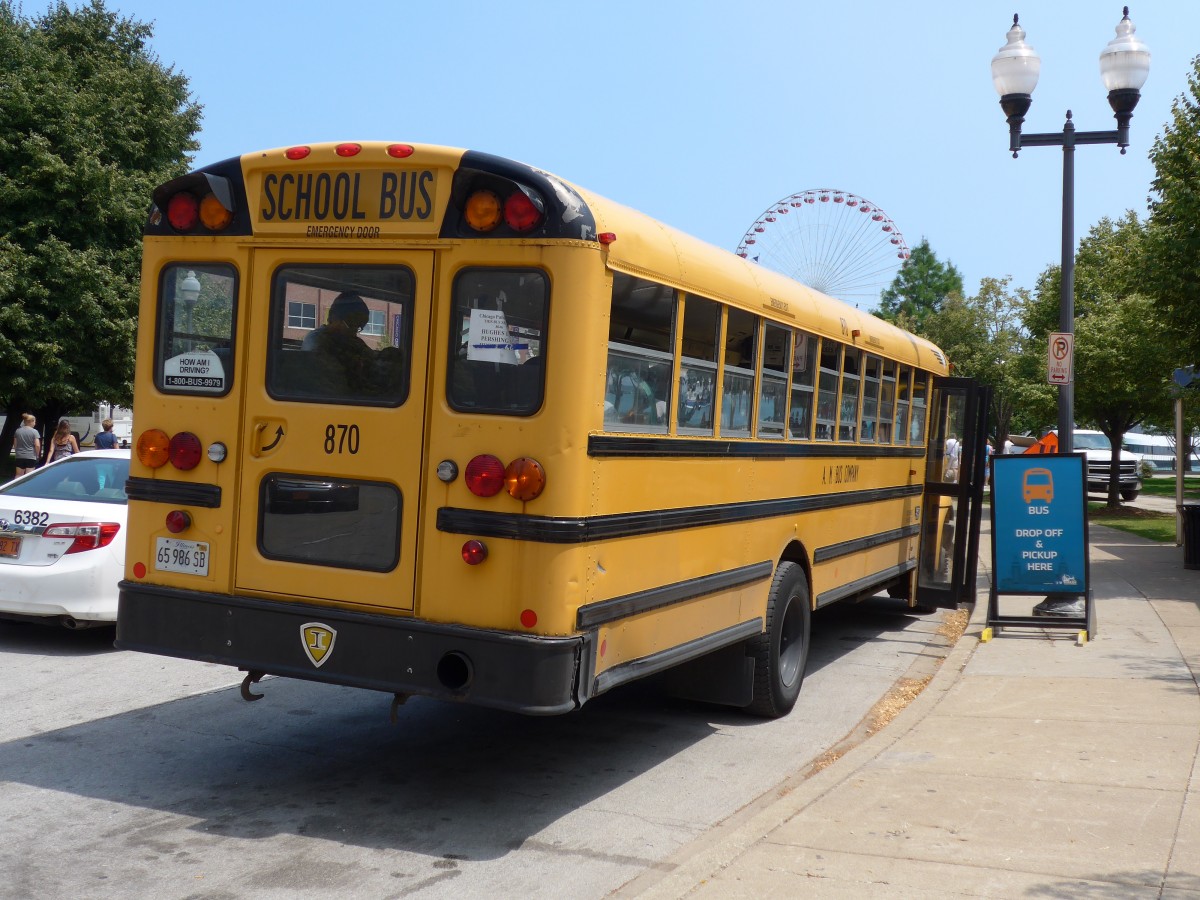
(318, 640)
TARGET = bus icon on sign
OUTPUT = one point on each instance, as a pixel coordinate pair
(1038, 484)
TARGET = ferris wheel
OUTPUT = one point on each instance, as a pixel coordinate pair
(833, 241)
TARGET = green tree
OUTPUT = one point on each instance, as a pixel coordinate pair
(1110, 260)
(1123, 355)
(920, 288)
(984, 338)
(90, 123)
(1173, 241)
(1122, 371)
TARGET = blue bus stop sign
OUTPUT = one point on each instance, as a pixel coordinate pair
(1039, 524)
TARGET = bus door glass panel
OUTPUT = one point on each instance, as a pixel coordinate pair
(737, 382)
(950, 519)
(804, 371)
(827, 389)
(498, 341)
(641, 345)
(941, 474)
(773, 390)
(698, 365)
(347, 355)
(194, 346)
(851, 392)
(332, 460)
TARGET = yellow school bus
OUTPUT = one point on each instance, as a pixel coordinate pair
(430, 421)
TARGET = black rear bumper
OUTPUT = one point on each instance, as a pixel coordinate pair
(523, 673)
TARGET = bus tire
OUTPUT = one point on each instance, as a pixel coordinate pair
(781, 652)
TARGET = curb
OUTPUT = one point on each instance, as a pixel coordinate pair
(715, 850)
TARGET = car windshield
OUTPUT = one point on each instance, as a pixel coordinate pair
(1091, 442)
(95, 479)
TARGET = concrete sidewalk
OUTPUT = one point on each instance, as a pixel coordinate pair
(1030, 766)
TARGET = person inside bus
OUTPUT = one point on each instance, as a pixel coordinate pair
(356, 364)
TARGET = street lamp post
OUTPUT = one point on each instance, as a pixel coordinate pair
(189, 293)
(1124, 65)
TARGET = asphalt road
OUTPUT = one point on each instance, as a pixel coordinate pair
(127, 775)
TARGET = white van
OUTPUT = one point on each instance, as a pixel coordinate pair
(1099, 456)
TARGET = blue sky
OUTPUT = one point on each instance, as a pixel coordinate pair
(703, 114)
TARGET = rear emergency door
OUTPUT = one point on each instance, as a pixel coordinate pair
(333, 426)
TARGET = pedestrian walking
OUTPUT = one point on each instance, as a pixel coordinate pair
(63, 443)
(106, 440)
(27, 445)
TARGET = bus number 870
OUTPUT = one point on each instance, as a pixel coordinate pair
(341, 439)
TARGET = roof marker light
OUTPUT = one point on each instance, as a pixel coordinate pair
(348, 149)
(400, 151)
(606, 237)
(297, 152)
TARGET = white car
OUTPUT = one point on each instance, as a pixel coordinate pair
(62, 540)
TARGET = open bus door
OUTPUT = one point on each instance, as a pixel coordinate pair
(955, 476)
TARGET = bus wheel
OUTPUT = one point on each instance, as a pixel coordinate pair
(781, 651)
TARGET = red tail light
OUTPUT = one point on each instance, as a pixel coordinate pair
(485, 475)
(86, 535)
(178, 521)
(474, 552)
(185, 451)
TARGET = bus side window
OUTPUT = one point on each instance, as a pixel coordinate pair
(827, 389)
(870, 402)
(772, 394)
(804, 368)
(698, 365)
(851, 395)
(641, 341)
(918, 409)
(887, 401)
(903, 399)
(737, 382)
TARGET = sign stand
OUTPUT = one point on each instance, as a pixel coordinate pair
(1040, 539)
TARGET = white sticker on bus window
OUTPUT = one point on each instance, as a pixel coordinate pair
(198, 371)
(489, 340)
